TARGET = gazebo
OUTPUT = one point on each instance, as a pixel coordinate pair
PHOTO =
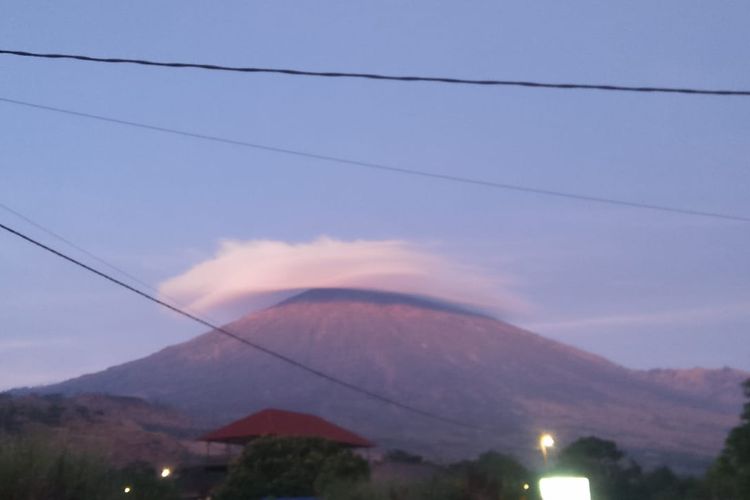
(282, 423)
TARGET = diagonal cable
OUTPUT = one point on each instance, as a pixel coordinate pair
(380, 166)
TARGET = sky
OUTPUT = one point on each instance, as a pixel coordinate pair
(646, 289)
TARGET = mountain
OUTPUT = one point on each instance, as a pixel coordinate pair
(508, 383)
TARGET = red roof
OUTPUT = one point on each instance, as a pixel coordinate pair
(273, 422)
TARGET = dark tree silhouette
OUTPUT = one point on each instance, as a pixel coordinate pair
(611, 476)
(730, 475)
(273, 467)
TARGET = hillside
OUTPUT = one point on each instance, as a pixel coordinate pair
(463, 365)
(719, 388)
(118, 429)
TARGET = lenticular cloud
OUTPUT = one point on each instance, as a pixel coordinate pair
(244, 274)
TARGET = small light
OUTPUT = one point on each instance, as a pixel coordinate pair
(526, 486)
(126, 489)
(166, 472)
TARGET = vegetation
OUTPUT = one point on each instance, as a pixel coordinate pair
(615, 477)
(729, 478)
(610, 475)
(272, 466)
(289, 467)
(33, 470)
(492, 476)
(29, 471)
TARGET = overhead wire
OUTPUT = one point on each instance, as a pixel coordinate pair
(380, 166)
(379, 76)
(77, 247)
(90, 254)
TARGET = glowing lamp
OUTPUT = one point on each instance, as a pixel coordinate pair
(546, 441)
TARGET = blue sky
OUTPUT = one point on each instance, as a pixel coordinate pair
(643, 288)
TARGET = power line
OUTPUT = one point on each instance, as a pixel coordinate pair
(90, 254)
(78, 247)
(383, 167)
(281, 357)
(377, 76)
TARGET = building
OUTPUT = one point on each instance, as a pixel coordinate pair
(282, 423)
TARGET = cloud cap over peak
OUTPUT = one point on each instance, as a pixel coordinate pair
(243, 274)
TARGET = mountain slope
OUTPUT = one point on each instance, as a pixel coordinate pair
(439, 357)
(719, 388)
(116, 429)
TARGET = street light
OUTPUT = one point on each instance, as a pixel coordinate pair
(166, 472)
(546, 441)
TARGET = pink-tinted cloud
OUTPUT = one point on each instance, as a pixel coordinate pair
(243, 274)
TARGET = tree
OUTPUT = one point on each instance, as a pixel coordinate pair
(663, 484)
(273, 466)
(603, 463)
(730, 475)
(613, 476)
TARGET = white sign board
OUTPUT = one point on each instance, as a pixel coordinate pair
(564, 488)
